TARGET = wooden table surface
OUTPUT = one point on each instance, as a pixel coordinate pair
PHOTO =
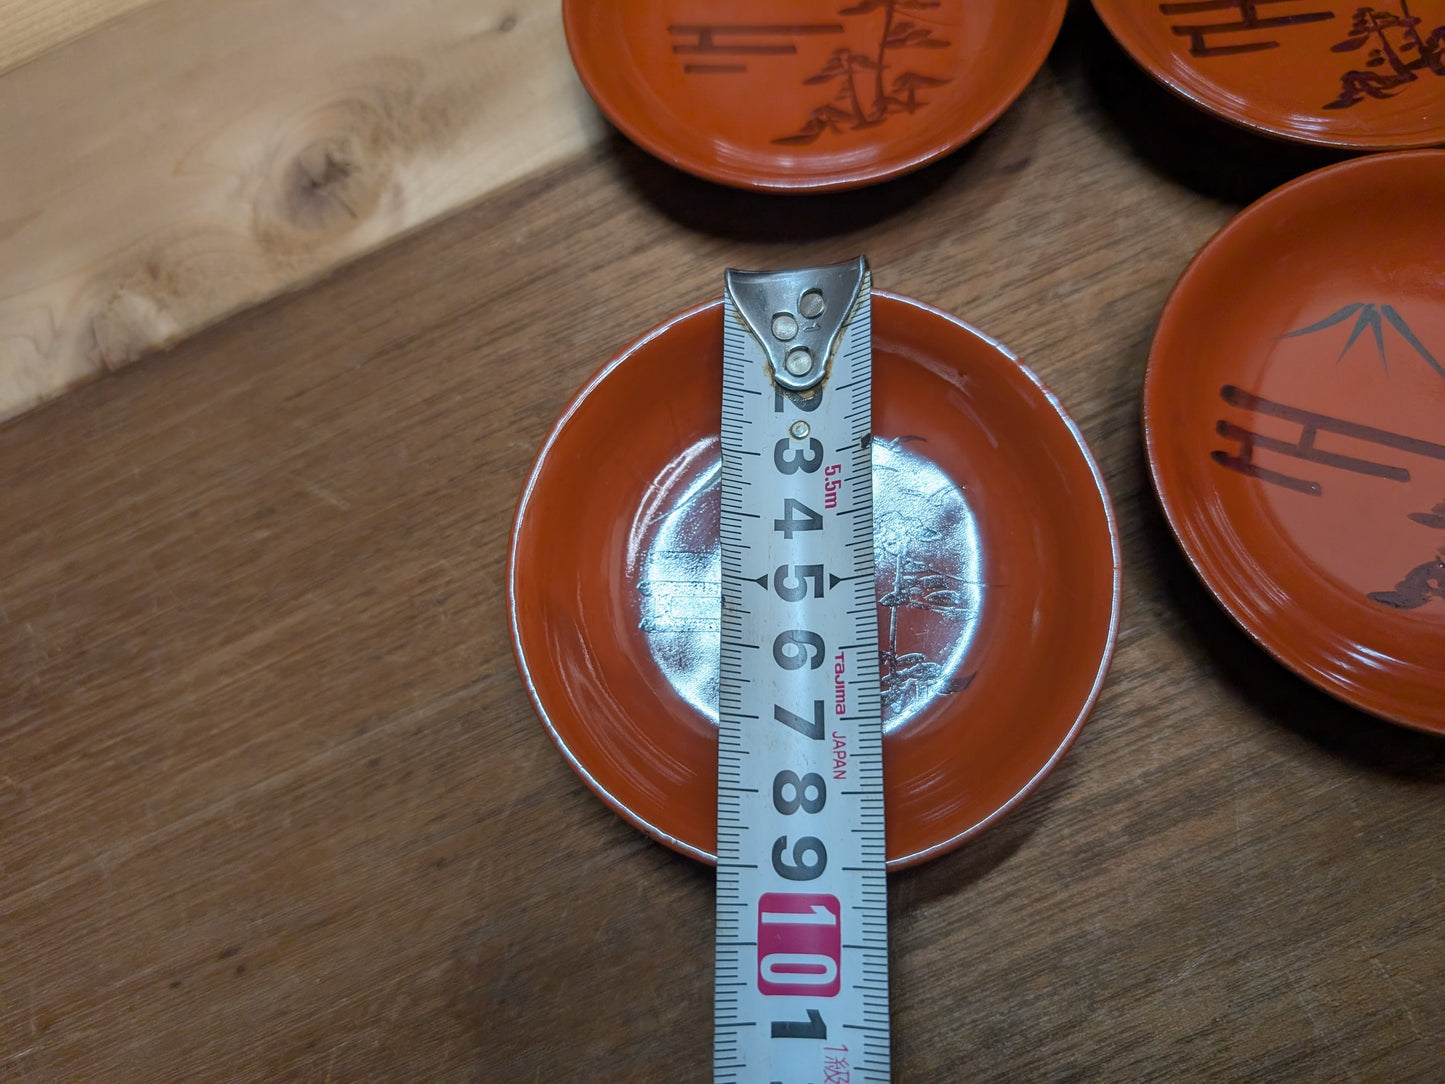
(275, 805)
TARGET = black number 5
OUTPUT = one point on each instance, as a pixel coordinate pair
(791, 582)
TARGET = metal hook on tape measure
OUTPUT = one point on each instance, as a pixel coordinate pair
(798, 316)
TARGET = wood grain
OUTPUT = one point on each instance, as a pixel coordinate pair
(183, 161)
(275, 805)
(29, 28)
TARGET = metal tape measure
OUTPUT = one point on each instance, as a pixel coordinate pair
(801, 987)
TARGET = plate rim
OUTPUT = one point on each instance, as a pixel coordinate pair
(1142, 57)
(1173, 515)
(1100, 492)
(720, 173)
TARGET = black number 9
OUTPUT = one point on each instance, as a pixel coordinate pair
(801, 869)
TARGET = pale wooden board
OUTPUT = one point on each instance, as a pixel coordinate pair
(186, 160)
(29, 28)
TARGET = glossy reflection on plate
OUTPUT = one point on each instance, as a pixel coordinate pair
(1294, 412)
(997, 579)
(812, 94)
(1370, 76)
(926, 550)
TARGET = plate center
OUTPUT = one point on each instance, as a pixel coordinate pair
(929, 577)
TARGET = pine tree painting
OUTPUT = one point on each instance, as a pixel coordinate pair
(1421, 584)
(1372, 27)
(926, 551)
(868, 91)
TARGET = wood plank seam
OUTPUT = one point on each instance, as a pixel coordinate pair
(170, 168)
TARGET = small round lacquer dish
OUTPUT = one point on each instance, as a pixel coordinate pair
(812, 94)
(1294, 413)
(997, 579)
(1318, 71)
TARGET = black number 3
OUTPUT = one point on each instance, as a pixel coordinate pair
(790, 460)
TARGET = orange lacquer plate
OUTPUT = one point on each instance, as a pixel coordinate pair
(811, 94)
(1294, 412)
(997, 577)
(1326, 72)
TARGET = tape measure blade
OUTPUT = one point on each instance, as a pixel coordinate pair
(801, 988)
